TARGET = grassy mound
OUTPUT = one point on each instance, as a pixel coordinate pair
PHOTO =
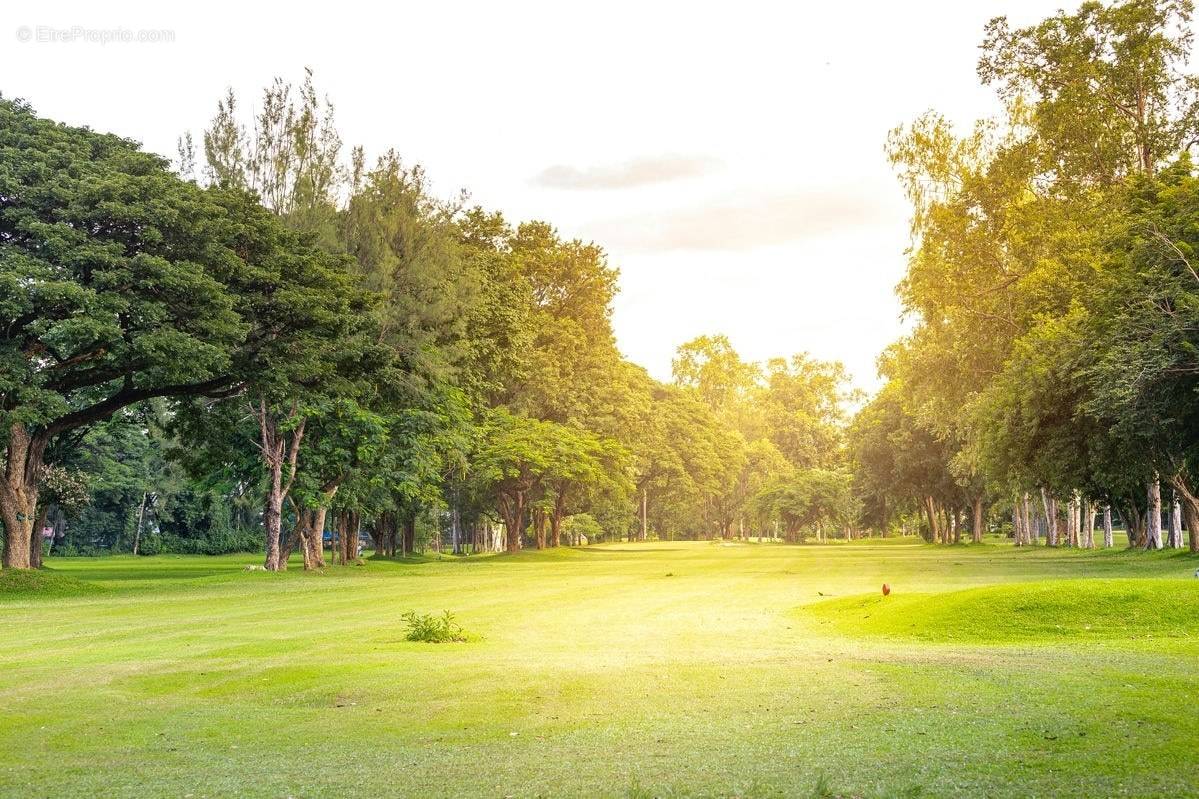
(1019, 612)
(31, 583)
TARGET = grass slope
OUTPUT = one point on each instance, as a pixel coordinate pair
(642, 670)
(1051, 612)
(41, 585)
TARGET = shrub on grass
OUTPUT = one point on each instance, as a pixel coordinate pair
(431, 629)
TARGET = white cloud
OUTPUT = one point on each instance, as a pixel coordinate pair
(630, 174)
(744, 223)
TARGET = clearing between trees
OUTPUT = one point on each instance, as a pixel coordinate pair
(656, 669)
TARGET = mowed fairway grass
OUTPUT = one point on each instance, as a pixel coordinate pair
(657, 669)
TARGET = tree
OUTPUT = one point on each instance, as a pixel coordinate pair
(123, 283)
(1107, 83)
(807, 500)
(804, 408)
(710, 366)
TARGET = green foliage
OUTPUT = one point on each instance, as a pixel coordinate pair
(1050, 279)
(431, 629)
(583, 524)
(808, 500)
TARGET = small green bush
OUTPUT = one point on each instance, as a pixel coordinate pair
(431, 629)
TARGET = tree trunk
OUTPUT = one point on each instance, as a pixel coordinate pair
(19, 495)
(556, 517)
(279, 449)
(539, 527)
(1050, 506)
(36, 539)
(1108, 541)
(930, 510)
(514, 518)
(272, 521)
(1076, 521)
(1176, 523)
(1025, 511)
(349, 541)
(408, 542)
(1190, 509)
(977, 530)
(1088, 524)
(1153, 533)
(137, 531)
(1017, 523)
(312, 533)
(644, 514)
(1031, 522)
(1134, 522)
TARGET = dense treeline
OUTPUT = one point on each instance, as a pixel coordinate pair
(266, 344)
(1051, 374)
(275, 341)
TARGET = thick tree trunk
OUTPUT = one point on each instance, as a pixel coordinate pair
(18, 509)
(1108, 538)
(1088, 524)
(1153, 533)
(19, 495)
(312, 538)
(348, 526)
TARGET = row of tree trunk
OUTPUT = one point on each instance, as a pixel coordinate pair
(946, 525)
(1073, 523)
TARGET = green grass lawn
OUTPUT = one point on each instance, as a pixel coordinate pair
(680, 669)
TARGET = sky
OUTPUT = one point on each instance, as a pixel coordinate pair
(729, 157)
